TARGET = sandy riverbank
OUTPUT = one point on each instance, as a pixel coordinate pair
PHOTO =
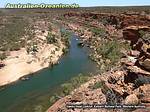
(19, 63)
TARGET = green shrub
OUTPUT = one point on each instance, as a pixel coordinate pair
(65, 50)
(73, 83)
(51, 38)
(32, 48)
(97, 85)
(3, 56)
(65, 37)
(12, 33)
(110, 50)
(80, 79)
(67, 88)
(144, 34)
(98, 31)
(53, 99)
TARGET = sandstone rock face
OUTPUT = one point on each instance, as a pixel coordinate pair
(78, 97)
(131, 34)
(134, 53)
(145, 89)
(134, 20)
(146, 64)
(129, 83)
(132, 100)
(117, 76)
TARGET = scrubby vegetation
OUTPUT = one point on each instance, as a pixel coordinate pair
(32, 48)
(51, 38)
(97, 85)
(108, 53)
(69, 86)
(105, 52)
(73, 83)
(2, 56)
(98, 32)
(110, 50)
(65, 37)
(12, 34)
(144, 34)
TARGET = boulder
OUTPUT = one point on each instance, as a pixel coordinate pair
(145, 90)
(132, 99)
(77, 97)
(145, 64)
(138, 71)
(117, 76)
(134, 53)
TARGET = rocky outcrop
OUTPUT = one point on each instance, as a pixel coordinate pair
(132, 100)
(138, 43)
(129, 83)
(145, 64)
(145, 90)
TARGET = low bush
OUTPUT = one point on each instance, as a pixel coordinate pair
(12, 33)
(32, 48)
(65, 37)
(144, 34)
(67, 87)
(110, 50)
(97, 85)
(51, 38)
(2, 56)
(73, 83)
(98, 32)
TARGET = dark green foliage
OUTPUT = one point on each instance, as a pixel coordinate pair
(97, 85)
(104, 21)
(49, 28)
(108, 53)
(2, 56)
(65, 50)
(94, 17)
(98, 32)
(51, 38)
(65, 37)
(110, 50)
(53, 99)
(77, 81)
(144, 34)
(67, 87)
(73, 83)
(32, 48)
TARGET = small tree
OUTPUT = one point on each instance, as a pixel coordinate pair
(51, 38)
(67, 88)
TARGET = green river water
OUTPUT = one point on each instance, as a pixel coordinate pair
(23, 95)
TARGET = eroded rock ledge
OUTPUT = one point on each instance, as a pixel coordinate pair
(127, 84)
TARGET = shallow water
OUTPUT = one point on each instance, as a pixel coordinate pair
(23, 95)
